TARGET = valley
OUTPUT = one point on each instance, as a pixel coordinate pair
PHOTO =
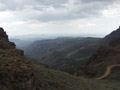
(18, 72)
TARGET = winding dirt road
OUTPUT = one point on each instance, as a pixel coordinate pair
(108, 71)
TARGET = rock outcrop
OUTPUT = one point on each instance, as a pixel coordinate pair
(4, 41)
(3, 34)
(104, 57)
(15, 71)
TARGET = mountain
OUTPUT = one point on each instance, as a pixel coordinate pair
(112, 35)
(21, 44)
(34, 37)
(24, 41)
(62, 53)
(18, 72)
(105, 63)
(4, 43)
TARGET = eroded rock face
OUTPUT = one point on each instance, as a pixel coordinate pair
(3, 34)
(4, 41)
(16, 73)
(15, 70)
(23, 73)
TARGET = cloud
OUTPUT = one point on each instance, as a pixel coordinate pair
(59, 16)
(54, 10)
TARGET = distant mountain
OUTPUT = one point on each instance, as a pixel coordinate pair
(62, 53)
(34, 37)
(21, 44)
(106, 59)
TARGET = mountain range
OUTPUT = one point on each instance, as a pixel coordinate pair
(106, 56)
(18, 72)
(67, 54)
(62, 53)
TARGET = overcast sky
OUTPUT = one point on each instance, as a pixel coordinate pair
(59, 17)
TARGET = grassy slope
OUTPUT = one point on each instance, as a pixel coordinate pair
(55, 80)
(62, 53)
(15, 69)
(103, 58)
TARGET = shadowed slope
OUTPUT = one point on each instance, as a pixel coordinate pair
(108, 71)
(105, 59)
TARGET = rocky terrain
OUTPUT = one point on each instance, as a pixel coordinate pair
(18, 72)
(106, 56)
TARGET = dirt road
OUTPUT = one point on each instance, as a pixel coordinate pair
(108, 71)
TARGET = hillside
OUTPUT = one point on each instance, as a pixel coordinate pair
(67, 54)
(18, 72)
(21, 44)
(109, 37)
(105, 59)
(62, 53)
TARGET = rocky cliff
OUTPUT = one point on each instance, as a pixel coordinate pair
(3, 34)
(4, 42)
(15, 72)
(106, 56)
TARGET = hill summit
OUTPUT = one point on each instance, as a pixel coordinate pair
(3, 34)
(4, 41)
(113, 35)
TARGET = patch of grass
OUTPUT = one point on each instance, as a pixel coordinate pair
(81, 62)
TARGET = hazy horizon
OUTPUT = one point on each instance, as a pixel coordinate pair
(89, 18)
(57, 35)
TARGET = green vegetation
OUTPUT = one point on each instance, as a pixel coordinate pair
(62, 53)
(81, 63)
(17, 71)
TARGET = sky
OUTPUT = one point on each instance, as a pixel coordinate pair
(59, 17)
